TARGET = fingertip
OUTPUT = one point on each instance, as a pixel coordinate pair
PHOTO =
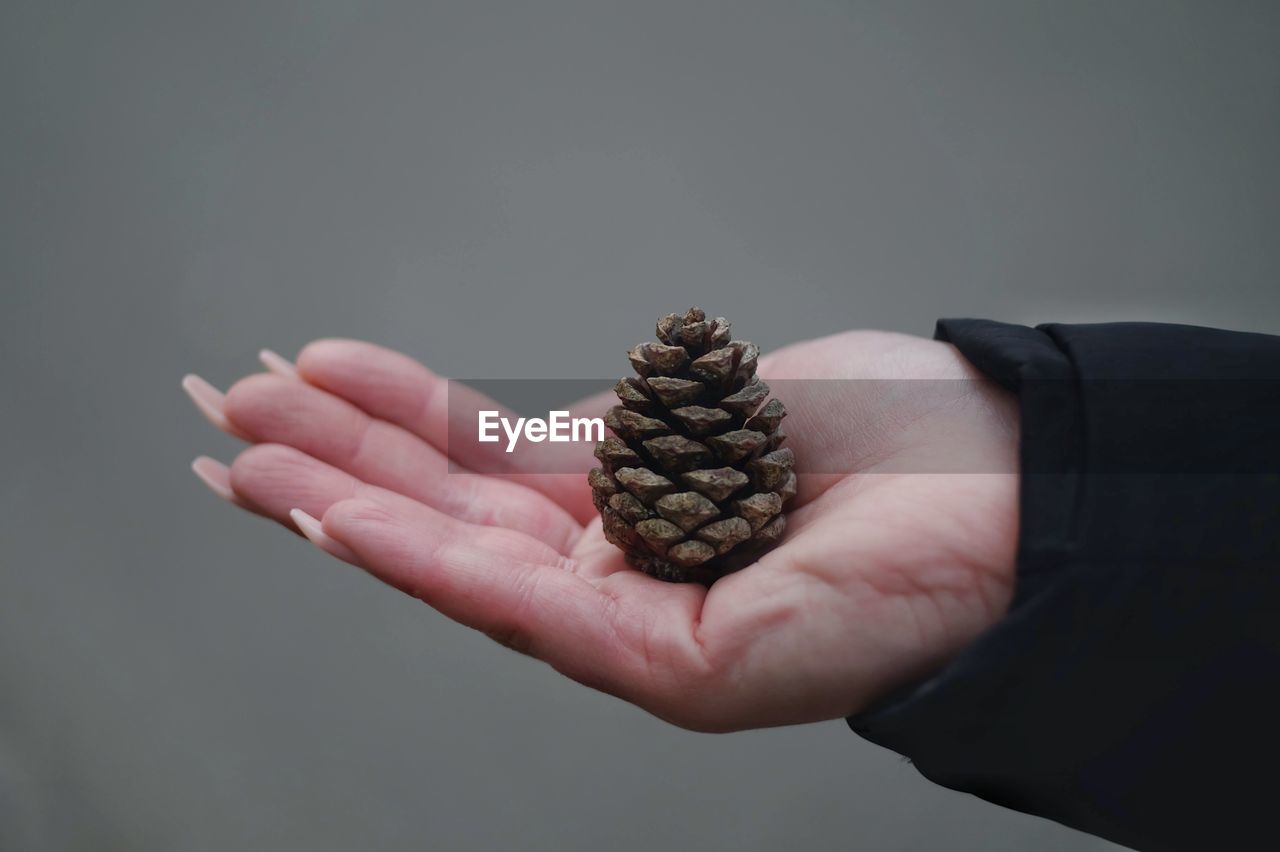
(210, 402)
(217, 478)
(207, 399)
(255, 400)
(356, 514)
(215, 475)
(324, 350)
(340, 357)
(277, 364)
(313, 529)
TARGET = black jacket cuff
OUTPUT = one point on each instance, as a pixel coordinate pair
(1138, 667)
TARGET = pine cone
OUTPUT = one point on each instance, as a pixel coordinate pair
(694, 484)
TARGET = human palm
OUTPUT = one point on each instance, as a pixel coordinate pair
(891, 563)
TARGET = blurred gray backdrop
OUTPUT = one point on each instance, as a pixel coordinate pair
(518, 190)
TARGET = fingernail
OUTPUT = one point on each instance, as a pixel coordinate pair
(277, 364)
(217, 476)
(312, 529)
(210, 402)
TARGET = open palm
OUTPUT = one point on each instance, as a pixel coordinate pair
(890, 564)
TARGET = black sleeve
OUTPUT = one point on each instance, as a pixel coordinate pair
(1133, 688)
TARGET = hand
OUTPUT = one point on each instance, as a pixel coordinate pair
(889, 566)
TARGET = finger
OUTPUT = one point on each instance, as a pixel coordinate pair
(396, 388)
(282, 411)
(272, 479)
(513, 588)
(383, 383)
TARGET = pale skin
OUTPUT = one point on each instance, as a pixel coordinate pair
(887, 570)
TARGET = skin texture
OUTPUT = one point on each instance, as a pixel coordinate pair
(885, 573)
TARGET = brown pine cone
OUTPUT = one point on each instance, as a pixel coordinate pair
(694, 483)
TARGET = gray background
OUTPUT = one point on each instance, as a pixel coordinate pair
(518, 190)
